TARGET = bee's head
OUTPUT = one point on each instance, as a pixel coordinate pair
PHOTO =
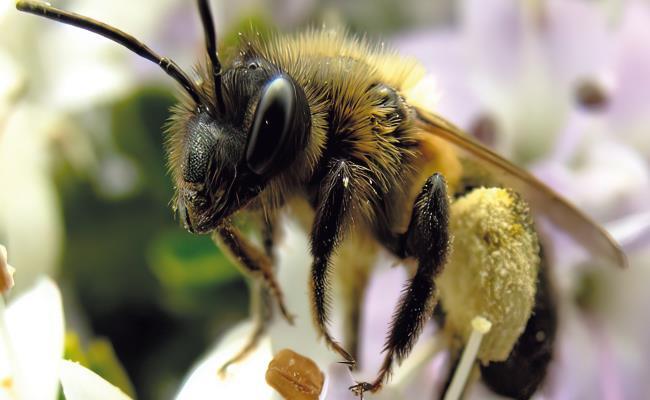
(236, 131)
(230, 151)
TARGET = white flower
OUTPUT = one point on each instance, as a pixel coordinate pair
(31, 351)
(80, 383)
(31, 332)
(29, 211)
(244, 380)
(248, 376)
(70, 69)
(47, 71)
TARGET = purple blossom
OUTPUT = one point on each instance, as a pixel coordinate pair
(521, 64)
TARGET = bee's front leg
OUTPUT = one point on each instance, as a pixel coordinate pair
(427, 239)
(261, 309)
(261, 313)
(253, 261)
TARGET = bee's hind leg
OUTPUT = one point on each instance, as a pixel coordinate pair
(427, 239)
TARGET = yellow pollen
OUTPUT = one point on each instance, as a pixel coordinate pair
(7, 383)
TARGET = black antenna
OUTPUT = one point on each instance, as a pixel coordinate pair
(211, 46)
(116, 35)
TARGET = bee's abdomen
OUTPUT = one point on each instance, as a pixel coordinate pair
(520, 375)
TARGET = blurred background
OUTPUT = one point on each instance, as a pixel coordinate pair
(560, 87)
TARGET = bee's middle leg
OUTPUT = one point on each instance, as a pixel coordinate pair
(337, 196)
(427, 239)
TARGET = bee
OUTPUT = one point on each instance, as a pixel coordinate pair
(333, 125)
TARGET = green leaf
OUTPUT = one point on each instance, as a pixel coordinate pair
(191, 270)
(100, 358)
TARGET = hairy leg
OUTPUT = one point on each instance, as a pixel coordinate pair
(261, 313)
(252, 261)
(337, 196)
(261, 310)
(427, 239)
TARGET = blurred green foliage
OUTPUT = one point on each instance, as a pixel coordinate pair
(99, 357)
(190, 271)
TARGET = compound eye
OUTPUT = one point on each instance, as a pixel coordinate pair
(267, 141)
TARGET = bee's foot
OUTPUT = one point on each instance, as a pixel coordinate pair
(223, 370)
(361, 387)
(352, 364)
(348, 359)
(290, 318)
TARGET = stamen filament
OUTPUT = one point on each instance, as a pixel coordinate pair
(480, 327)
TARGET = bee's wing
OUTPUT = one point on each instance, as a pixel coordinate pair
(542, 198)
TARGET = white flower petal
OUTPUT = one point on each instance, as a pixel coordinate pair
(493, 34)
(35, 325)
(611, 173)
(89, 68)
(339, 380)
(244, 380)
(80, 383)
(630, 100)
(631, 229)
(30, 217)
(5, 6)
(11, 81)
(442, 55)
(576, 39)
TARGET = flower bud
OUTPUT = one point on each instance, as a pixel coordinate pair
(6, 272)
